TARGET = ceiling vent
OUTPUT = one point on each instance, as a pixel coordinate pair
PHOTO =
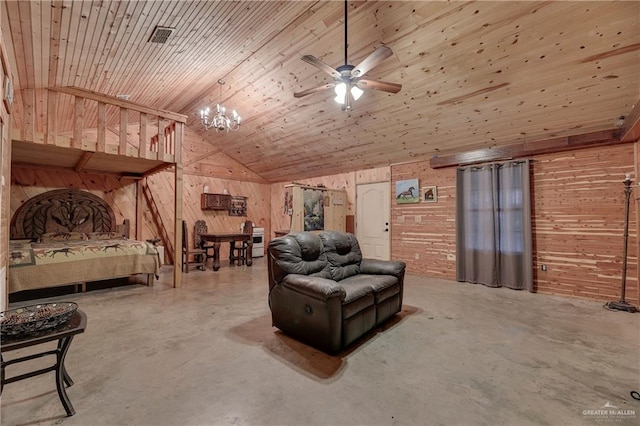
(160, 34)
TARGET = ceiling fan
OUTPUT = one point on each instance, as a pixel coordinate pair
(347, 79)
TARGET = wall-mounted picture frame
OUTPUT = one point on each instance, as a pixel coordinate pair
(313, 209)
(238, 206)
(8, 92)
(429, 194)
(407, 191)
(288, 203)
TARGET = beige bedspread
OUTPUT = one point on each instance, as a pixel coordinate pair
(54, 264)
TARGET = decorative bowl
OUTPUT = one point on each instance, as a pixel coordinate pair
(30, 319)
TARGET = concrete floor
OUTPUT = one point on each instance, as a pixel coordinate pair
(458, 354)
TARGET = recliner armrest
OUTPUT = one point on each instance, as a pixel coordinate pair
(382, 267)
(316, 287)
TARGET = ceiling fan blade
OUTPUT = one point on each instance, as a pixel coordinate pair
(314, 90)
(379, 85)
(322, 65)
(378, 55)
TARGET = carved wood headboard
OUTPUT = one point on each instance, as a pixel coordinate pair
(62, 210)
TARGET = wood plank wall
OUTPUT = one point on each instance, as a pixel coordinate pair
(201, 158)
(5, 165)
(120, 194)
(423, 234)
(345, 181)
(258, 204)
(5, 217)
(578, 222)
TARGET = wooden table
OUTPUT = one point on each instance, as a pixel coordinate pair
(64, 335)
(232, 238)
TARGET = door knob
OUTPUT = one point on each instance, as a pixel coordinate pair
(386, 229)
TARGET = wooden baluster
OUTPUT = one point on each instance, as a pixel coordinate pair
(161, 140)
(143, 148)
(122, 147)
(179, 135)
(78, 123)
(102, 127)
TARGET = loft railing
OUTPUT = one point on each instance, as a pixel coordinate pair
(82, 119)
(165, 140)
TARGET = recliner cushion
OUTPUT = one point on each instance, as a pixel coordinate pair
(359, 296)
(381, 287)
(298, 253)
(384, 286)
(343, 254)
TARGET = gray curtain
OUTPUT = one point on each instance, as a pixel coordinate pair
(493, 225)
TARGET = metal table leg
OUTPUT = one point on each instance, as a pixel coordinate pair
(1, 374)
(62, 376)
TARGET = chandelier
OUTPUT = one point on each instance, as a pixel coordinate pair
(220, 121)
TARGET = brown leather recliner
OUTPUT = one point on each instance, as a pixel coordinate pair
(323, 293)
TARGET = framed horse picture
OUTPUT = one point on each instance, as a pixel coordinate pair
(429, 194)
(407, 191)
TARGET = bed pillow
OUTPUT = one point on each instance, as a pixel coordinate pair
(52, 237)
(105, 235)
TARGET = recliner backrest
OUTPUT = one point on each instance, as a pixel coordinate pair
(343, 253)
(296, 253)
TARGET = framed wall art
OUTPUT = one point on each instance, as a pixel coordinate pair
(313, 209)
(407, 191)
(8, 92)
(238, 206)
(429, 194)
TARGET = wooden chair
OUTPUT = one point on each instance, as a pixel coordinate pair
(191, 256)
(240, 253)
(201, 228)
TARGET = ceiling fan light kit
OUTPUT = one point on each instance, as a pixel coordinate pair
(348, 83)
(341, 92)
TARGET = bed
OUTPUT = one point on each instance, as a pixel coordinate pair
(69, 236)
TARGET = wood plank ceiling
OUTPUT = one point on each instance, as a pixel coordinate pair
(474, 74)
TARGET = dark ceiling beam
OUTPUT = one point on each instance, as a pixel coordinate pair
(631, 129)
(526, 149)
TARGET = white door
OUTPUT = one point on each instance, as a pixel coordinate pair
(373, 210)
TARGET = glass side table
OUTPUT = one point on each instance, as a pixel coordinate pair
(64, 335)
